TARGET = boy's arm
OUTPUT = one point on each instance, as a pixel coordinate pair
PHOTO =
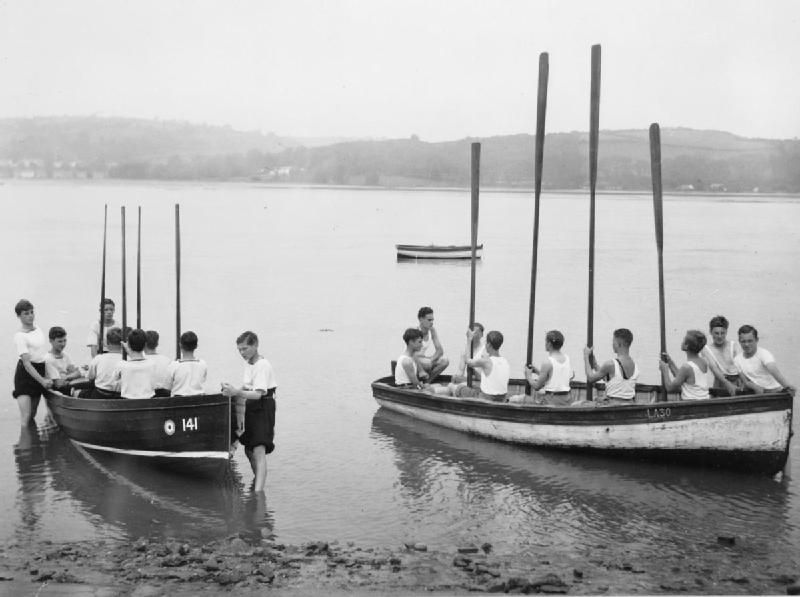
(776, 373)
(544, 374)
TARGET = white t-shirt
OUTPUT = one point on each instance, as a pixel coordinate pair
(161, 364)
(560, 377)
(135, 378)
(755, 368)
(33, 343)
(400, 376)
(57, 367)
(101, 370)
(259, 376)
(186, 377)
(91, 339)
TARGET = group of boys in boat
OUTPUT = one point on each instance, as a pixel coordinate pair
(143, 374)
(729, 367)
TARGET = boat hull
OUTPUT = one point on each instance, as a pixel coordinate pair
(437, 251)
(746, 432)
(191, 433)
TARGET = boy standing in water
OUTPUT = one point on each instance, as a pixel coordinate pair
(258, 394)
(29, 378)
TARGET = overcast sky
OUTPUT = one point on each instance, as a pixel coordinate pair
(391, 68)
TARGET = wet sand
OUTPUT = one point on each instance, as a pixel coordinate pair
(252, 565)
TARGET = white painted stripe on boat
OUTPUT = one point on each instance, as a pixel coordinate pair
(765, 431)
(153, 453)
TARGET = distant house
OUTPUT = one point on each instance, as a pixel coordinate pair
(685, 187)
(717, 187)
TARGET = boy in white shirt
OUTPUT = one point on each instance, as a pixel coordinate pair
(136, 376)
(101, 369)
(58, 364)
(161, 363)
(187, 375)
(757, 368)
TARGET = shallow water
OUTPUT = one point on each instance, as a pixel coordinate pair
(313, 272)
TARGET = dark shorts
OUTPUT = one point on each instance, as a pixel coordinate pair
(259, 424)
(24, 384)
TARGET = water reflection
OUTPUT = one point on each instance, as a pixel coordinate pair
(126, 498)
(551, 497)
(29, 458)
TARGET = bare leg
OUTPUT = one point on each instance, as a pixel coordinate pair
(438, 367)
(27, 409)
(259, 467)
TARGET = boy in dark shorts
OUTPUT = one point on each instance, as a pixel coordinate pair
(258, 394)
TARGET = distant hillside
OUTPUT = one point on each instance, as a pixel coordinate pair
(135, 148)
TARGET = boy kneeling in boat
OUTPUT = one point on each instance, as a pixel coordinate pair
(101, 369)
(495, 371)
(692, 377)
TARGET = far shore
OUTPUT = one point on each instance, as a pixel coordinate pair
(718, 195)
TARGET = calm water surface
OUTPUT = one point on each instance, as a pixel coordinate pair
(313, 272)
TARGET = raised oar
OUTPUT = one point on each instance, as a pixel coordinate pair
(655, 170)
(124, 289)
(102, 284)
(476, 168)
(594, 134)
(177, 281)
(541, 111)
(139, 272)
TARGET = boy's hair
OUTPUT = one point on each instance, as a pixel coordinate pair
(718, 322)
(476, 325)
(137, 340)
(107, 301)
(495, 339)
(624, 335)
(695, 341)
(411, 334)
(424, 312)
(746, 329)
(57, 332)
(188, 340)
(555, 338)
(248, 338)
(22, 305)
(151, 339)
(114, 336)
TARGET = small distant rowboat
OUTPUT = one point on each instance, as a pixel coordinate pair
(437, 251)
(190, 434)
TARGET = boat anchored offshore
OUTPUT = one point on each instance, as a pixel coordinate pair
(747, 432)
(437, 251)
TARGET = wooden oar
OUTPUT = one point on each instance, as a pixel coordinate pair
(177, 281)
(102, 284)
(541, 111)
(124, 289)
(139, 272)
(476, 168)
(655, 170)
(594, 134)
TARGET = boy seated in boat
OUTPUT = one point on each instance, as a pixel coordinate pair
(554, 374)
(475, 349)
(406, 370)
(188, 374)
(59, 366)
(161, 363)
(620, 372)
(136, 376)
(720, 355)
(691, 378)
(757, 368)
(101, 369)
(495, 371)
(430, 358)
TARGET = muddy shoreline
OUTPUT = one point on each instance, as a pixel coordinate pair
(249, 564)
